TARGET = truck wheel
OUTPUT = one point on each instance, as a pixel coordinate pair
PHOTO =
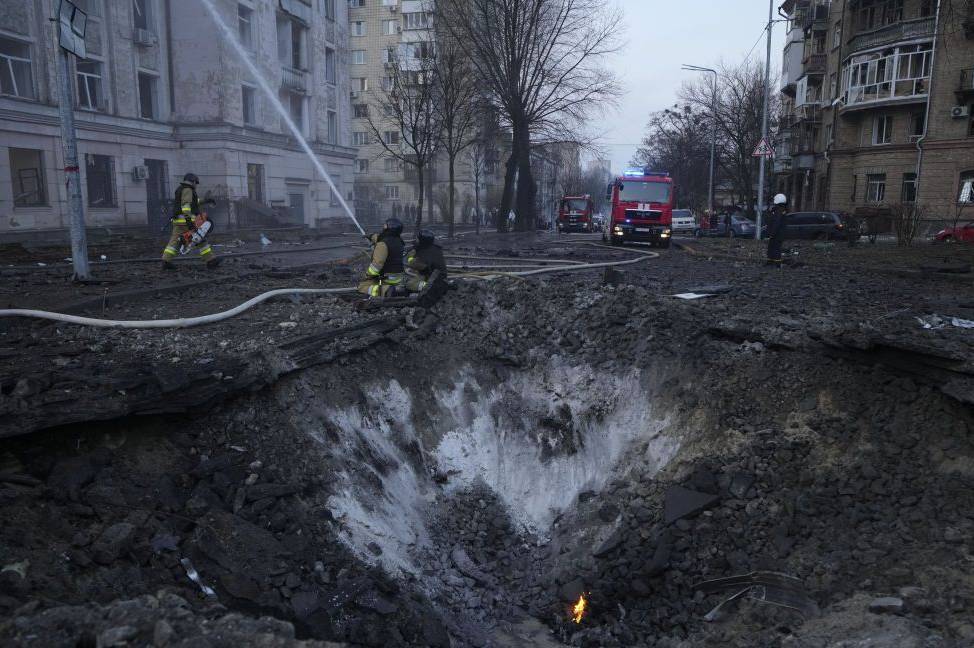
(664, 244)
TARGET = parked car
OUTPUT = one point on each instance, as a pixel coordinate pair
(819, 225)
(683, 221)
(740, 227)
(963, 233)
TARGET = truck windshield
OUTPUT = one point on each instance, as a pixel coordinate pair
(645, 192)
(579, 204)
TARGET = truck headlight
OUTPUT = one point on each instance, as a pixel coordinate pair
(666, 233)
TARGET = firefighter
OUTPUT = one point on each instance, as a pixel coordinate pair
(425, 258)
(186, 206)
(384, 276)
(777, 228)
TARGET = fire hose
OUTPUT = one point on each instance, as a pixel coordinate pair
(187, 322)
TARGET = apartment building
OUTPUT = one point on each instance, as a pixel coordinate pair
(160, 94)
(384, 33)
(878, 111)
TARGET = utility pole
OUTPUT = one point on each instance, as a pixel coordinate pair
(713, 132)
(764, 123)
(68, 13)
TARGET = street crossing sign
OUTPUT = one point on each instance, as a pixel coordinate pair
(763, 149)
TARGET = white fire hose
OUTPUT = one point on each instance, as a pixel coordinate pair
(187, 322)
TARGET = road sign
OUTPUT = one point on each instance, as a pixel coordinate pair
(763, 149)
(72, 23)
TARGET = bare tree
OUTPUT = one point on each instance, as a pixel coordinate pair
(677, 140)
(407, 108)
(540, 61)
(906, 221)
(457, 96)
(739, 101)
(478, 155)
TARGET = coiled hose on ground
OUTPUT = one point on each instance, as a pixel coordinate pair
(482, 274)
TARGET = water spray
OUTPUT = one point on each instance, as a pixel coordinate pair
(276, 102)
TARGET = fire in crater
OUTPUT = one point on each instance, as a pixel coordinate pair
(579, 610)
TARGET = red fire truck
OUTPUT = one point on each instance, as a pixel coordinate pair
(575, 214)
(641, 203)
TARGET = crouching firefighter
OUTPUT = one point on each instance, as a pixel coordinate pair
(186, 207)
(384, 276)
(425, 258)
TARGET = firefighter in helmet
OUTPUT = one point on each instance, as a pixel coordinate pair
(384, 276)
(186, 206)
(425, 258)
(777, 228)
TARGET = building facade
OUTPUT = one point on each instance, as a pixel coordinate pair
(162, 93)
(879, 110)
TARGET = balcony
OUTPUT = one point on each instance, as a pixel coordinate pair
(965, 89)
(905, 30)
(814, 65)
(817, 16)
(293, 79)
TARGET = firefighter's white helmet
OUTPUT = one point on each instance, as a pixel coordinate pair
(781, 199)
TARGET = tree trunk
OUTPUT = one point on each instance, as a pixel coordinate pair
(507, 197)
(419, 202)
(429, 191)
(526, 190)
(476, 200)
(451, 188)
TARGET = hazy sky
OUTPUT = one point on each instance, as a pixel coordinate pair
(663, 34)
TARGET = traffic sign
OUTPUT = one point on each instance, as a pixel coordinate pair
(763, 149)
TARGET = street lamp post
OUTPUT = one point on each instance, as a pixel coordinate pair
(764, 123)
(713, 132)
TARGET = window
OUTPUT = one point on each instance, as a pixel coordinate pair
(360, 138)
(248, 103)
(390, 55)
(361, 110)
(390, 3)
(390, 27)
(872, 14)
(292, 38)
(331, 73)
(142, 13)
(332, 127)
(255, 182)
(358, 57)
(328, 8)
(908, 194)
(360, 84)
(359, 28)
(295, 104)
(422, 50)
(966, 193)
(926, 8)
(833, 85)
(15, 73)
(391, 137)
(89, 85)
(875, 187)
(387, 83)
(100, 180)
(147, 96)
(392, 165)
(392, 192)
(361, 166)
(356, 4)
(27, 176)
(882, 129)
(902, 71)
(245, 26)
(416, 20)
(918, 123)
(836, 35)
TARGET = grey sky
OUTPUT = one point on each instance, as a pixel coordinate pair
(663, 34)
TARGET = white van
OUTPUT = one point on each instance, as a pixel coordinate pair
(683, 221)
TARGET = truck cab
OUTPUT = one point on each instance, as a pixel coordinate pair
(575, 214)
(641, 204)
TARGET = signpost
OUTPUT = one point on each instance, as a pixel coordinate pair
(763, 149)
(71, 25)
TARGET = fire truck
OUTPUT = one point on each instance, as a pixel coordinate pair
(641, 204)
(575, 214)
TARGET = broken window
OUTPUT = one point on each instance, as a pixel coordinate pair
(909, 191)
(875, 187)
(966, 194)
(100, 180)
(245, 26)
(255, 182)
(27, 175)
(361, 166)
(141, 10)
(332, 127)
(15, 71)
(147, 96)
(882, 129)
(248, 100)
(89, 85)
(330, 68)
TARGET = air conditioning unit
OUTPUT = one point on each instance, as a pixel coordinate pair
(144, 37)
(960, 112)
(140, 172)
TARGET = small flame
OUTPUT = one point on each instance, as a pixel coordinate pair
(579, 610)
